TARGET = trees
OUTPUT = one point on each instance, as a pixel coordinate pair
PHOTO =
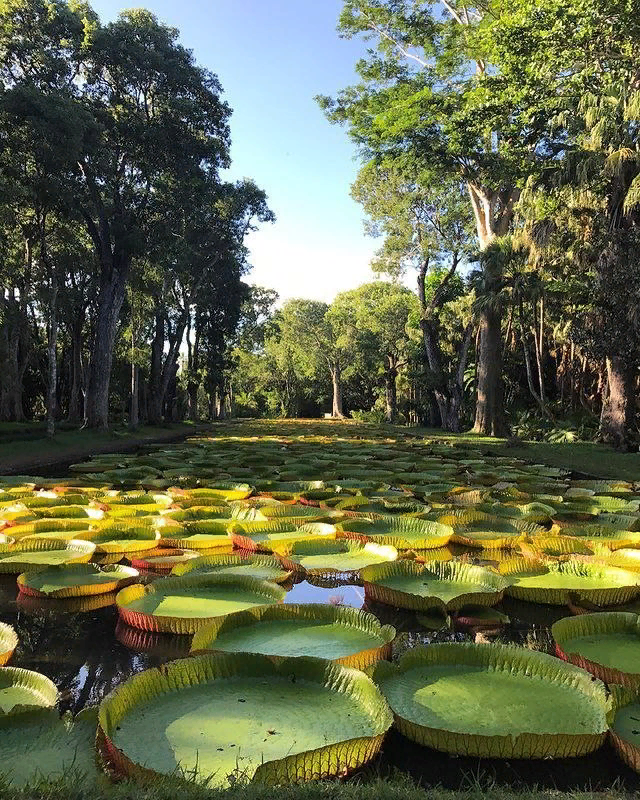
(161, 119)
(114, 136)
(579, 65)
(322, 344)
(430, 100)
(426, 228)
(198, 254)
(374, 319)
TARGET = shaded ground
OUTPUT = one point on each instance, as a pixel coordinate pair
(29, 452)
(37, 455)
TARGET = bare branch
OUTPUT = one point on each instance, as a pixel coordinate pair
(403, 51)
(454, 13)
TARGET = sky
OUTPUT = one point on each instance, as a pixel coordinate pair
(272, 57)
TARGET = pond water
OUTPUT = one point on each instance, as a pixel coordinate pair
(88, 653)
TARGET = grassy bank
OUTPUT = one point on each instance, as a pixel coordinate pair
(30, 448)
(397, 788)
(22, 454)
(586, 457)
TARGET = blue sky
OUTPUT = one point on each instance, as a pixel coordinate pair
(272, 57)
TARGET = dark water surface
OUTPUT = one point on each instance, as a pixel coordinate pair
(88, 653)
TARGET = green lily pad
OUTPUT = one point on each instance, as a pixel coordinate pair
(8, 642)
(339, 556)
(21, 689)
(217, 717)
(403, 533)
(76, 580)
(185, 604)
(625, 728)
(36, 553)
(495, 701)
(552, 582)
(266, 568)
(440, 584)
(268, 539)
(605, 644)
(38, 744)
(345, 635)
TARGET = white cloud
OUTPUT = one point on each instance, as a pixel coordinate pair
(317, 268)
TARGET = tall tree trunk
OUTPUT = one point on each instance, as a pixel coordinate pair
(447, 394)
(490, 419)
(391, 394)
(52, 352)
(11, 388)
(76, 399)
(134, 418)
(164, 367)
(192, 395)
(456, 388)
(618, 406)
(110, 299)
(193, 368)
(493, 212)
(539, 341)
(156, 396)
(336, 381)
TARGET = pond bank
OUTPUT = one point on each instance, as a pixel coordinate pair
(40, 456)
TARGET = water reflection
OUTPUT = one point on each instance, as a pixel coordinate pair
(88, 652)
(337, 594)
(162, 646)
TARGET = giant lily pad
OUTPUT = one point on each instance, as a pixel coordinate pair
(76, 580)
(206, 534)
(219, 717)
(603, 535)
(605, 644)
(50, 528)
(626, 558)
(553, 583)
(265, 568)
(269, 536)
(8, 642)
(446, 585)
(345, 635)
(131, 535)
(38, 744)
(185, 604)
(338, 557)
(23, 688)
(487, 532)
(625, 731)
(403, 533)
(44, 553)
(163, 559)
(495, 701)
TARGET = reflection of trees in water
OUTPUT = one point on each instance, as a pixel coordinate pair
(78, 651)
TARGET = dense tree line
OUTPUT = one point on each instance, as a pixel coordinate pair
(120, 243)
(500, 150)
(501, 165)
(507, 135)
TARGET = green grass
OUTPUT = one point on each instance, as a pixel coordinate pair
(78, 445)
(31, 448)
(586, 457)
(395, 788)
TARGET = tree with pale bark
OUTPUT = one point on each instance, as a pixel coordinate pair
(426, 228)
(430, 99)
